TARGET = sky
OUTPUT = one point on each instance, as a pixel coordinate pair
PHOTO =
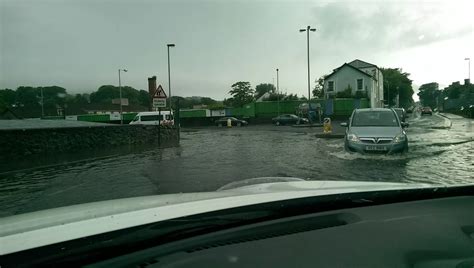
(80, 45)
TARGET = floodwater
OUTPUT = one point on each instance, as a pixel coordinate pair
(209, 158)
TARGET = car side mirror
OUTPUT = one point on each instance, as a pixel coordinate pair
(344, 124)
(405, 125)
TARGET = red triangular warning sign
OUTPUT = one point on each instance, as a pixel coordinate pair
(159, 93)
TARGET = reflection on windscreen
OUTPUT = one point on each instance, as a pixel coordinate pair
(374, 118)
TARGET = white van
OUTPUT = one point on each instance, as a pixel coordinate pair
(152, 118)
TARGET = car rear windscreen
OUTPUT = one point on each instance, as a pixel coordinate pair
(374, 118)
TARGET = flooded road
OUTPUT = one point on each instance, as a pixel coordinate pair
(441, 152)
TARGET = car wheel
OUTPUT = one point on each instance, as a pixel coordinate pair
(346, 147)
(277, 123)
(239, 124)
(298, 122)
(405, 149)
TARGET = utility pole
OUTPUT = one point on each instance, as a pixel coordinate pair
(169, 75)
(307, 30)
(468, 69)
(278, 93)
(42, 103)
(120, 92)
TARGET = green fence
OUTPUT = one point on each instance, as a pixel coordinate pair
(248, 110)
(192, 113)
(266, 109)
(129, 116)
(269, 109)
(343, 106)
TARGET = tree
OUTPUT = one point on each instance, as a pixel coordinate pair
(7, 96)
(242, 93)
(264, 88)
(27, 96)
(360, 95)
(399, 84)
(347, 93)
(130, 93)
(275, 97)
(428, 94)
(106, 93)
(80, 99)
(453, 91)
(208, 101)
(144, 98)
(318, 90)
(228, 102)
(292, 97)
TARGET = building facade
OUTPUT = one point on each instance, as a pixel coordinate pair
(361, 78)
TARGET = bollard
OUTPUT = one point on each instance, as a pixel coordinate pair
(327, 127)
(229, 122)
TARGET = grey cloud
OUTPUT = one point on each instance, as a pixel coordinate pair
(381, 25)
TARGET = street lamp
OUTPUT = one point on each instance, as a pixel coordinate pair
(278, 94)
(120, 90)
(468, 68)
(307, 30)
(42, 104)
(169, 75)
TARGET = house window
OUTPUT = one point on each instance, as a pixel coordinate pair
(360, 84)
(330, 86)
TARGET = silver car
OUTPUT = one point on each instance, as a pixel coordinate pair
(375, 130)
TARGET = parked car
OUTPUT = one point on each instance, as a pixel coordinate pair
(402, 114)
(153, 118)
(234, 121)
(375, 130)
(410, 109)
(426, 110)
(289, 119)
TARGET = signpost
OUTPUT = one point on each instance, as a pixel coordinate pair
(159, 98)
(159, 101)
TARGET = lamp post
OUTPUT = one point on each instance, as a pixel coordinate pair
(120, 92)
(42, 104)
(307, 30)
(468, 68)
(169, 74)
(278, 93)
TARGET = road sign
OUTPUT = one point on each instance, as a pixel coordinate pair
(159, 103)
(159, 93)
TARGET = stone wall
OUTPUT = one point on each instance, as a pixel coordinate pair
(20, 142)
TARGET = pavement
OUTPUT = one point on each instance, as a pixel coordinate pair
(40, 124)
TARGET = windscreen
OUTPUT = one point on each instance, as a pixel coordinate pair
(374, 119)
(76, 75)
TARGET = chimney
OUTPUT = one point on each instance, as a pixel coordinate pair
(151, 85)
(151, 90)
(467, 81)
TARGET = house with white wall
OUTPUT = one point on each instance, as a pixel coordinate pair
(360, 76)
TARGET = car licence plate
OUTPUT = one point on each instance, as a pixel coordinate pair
(376, 148)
